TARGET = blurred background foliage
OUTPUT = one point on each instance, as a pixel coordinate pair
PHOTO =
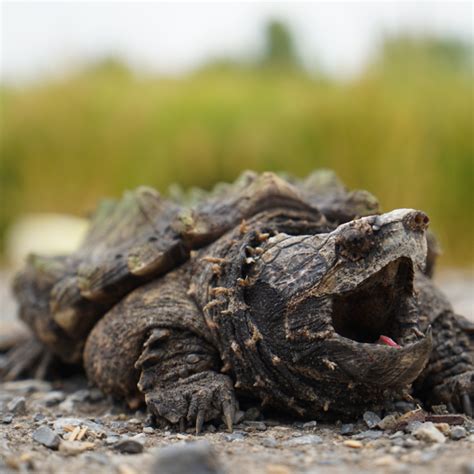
(403, 129)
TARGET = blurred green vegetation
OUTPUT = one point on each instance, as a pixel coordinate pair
(403, 130)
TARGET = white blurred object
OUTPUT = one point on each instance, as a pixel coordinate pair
(45, 234)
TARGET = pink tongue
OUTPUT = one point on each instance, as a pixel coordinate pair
(388, 342)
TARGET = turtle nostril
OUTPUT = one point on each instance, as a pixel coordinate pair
(417, 220)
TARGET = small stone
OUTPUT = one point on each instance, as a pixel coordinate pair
(235, 436)
(60, 423)
(413, 426)
(388, 423)
(269, 442)
(75, 447)
(148, 430)
(352, 443)
(129, 446)
(17, 406)
(196, 457)
(134, 421)
(347, 429)
(310, 425)
(303, 440)
(111, 440)
(371, 419)
(38, 417)
(252, 414)
(444, 428)
(369, 434)
(7, 419)
(140, 437)
(428, 432)
(80, 395)
(47, 437)
(53, 398)
(458, 432)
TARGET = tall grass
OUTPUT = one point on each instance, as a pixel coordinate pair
(403, 130)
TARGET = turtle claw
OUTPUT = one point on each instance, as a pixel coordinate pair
(229, 413)
(466, 404)
(199, 421)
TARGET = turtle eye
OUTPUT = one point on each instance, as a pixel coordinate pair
(354, 244)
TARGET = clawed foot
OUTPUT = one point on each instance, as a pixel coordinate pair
(28, 357)
(457, 393)
(192, 401)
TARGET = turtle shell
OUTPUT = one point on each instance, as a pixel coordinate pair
(144, 235)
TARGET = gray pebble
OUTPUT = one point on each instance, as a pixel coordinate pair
(347, 429)
(38, 417)
(303, 440)
(53, 398)
(196, 457)
(134, 421)
(17, 406)
(47, 437)
(371, 419)
(413, 426)
(369, 434)
(80, 395)
(60, 423)
(235, 436)
(111, 439)
(7, 419)
(310, 425)
(148, 430)
(458, 432)
(129, 446)
(269, 442)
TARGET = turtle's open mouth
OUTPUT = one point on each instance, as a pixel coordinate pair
(377, 310)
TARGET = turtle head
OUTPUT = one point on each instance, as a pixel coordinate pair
(340, 307)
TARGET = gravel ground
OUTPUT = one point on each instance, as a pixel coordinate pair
(68, 427)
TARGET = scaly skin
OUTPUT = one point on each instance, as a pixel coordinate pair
(285, 302)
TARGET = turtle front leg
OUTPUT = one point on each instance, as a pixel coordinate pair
(449, 376)
(181, 382)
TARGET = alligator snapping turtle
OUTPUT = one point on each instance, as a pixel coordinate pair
(296, 293)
